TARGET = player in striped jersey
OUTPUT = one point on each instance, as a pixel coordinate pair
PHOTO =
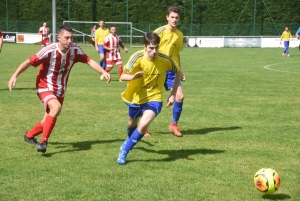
(45, 32)
(146, 73)
(171, 40)
(56, 62)
(1, 40)
(113, 54)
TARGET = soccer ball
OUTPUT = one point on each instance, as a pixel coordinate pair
(267, 180)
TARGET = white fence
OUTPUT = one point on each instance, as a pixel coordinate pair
(237, 41)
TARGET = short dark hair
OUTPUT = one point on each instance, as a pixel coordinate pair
(173, 9)
(63, 28)
(152, 38)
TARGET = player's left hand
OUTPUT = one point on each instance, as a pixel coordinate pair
(107, 76)
(170, 101)
(126, 50)
(183, 77)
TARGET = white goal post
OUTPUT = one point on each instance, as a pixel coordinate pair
(125, 30)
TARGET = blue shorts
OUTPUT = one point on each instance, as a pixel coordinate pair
(170, 78)
(101, 49)
(286, 43)
(136, 110)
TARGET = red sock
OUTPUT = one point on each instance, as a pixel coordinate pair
(48, 126)
(107, 69)
(120, 71)
(36, 130)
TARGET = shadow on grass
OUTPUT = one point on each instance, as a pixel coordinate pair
(80, 146)
(178, 154)
(204, 131)
(279, 196)
(14, 89)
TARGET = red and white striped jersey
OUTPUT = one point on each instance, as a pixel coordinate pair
(111, 41)
(1, 35)
(45, 32)
(55, 67)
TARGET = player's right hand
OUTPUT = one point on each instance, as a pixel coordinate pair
(12, 82)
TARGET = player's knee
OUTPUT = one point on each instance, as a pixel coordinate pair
(55, 109)
(132, 123)
(179, 97)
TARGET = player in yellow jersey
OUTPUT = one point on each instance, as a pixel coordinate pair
(145, 72)
(171, 42)
(285, 37)
(100, 35)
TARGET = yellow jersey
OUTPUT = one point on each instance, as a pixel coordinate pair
(286, 35)
(100, 35)
(150, 86)
(170, 42)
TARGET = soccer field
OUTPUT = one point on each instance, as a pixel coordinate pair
(241, 113)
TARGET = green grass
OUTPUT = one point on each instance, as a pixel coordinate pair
(238, 117)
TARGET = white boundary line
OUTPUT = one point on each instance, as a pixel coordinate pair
(283, 71)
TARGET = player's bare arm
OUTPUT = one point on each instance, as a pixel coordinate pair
(124, 48)
(13, 80)
(99, 69)
(171, 98)
(127, 77)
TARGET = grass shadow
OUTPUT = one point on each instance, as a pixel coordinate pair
(174, 155)
(17, 89)
(204, 131)
(279, 196)
(80, 146)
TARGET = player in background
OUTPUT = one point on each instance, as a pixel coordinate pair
(171, 42)
(56, 62)
(1, 40)
(285, 37)
(298, 35)
(93, 31)
(145, 72)
(100, 35)
(45, 32)
(113, 54)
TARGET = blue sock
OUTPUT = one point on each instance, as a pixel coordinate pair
(133, 140)
(104, 64)
(130, 131)
(287, 50)
(177, 109)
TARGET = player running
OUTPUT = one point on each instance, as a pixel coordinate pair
(145, 72)
(56, 62)
(171, 42)
(45, 32)
(113, 54)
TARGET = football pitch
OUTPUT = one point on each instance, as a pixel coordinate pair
(240, 114)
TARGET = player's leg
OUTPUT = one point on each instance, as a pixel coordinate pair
(102, 56)
(177, 110)
(120, 70)
(53, 106)
(150, 111)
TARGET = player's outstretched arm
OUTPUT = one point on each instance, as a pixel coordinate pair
(171, 98)
(127, 77)
(20, 69)
(99, 69)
